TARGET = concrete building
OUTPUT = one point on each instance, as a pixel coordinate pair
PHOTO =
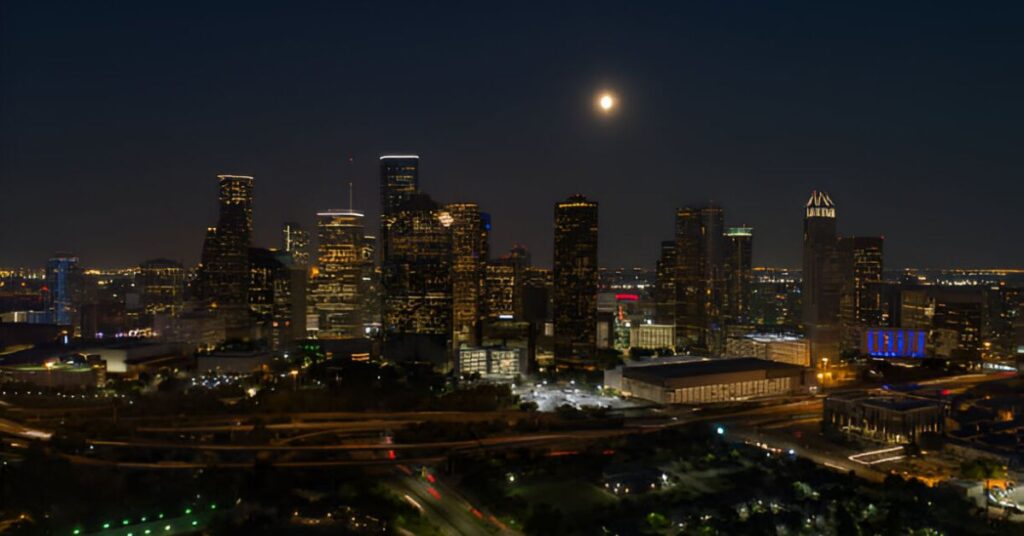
(771, 346)
(717, 380)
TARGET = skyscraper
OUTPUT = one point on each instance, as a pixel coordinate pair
(277, 300)
(399, 180)
(296, 243)
(665, 284)
(739, 272)
(161, 285)
(342, 263)
(575, 281)
(63, 280)
(821, 278)
(700, 285)
(226, 254)
(416, 275)
(860, 261)
(469, 229)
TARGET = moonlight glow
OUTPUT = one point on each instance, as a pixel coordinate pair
(606, 102)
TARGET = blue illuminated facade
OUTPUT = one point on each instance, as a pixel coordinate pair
(894, 342)
(61, 280)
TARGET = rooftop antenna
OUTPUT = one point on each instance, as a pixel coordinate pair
(350, 204)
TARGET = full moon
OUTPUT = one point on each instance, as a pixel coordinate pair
(606, 102)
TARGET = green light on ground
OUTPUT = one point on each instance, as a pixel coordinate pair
(213, 506)
(194, 523)
(77, 531)
(106, 525)
(188, 511)
(125, 521)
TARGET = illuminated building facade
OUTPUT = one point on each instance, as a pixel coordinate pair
(417, 273)
(469, 235)
(161, 285)
(770, 346)
(954, 317)
(507, 282)
(715, 380)
(665, 285)
(337, 290)
(226, 255)
(775, 298)
(821, 278)
(575, 281)
(493, 363)
(739, 272)
(399, 180)
(860, 261)
(885, 419)
(296, 243)
(894, 342)
(277, 297)
(652, 336)
(64, 283)
(500, 289)
(700, 285)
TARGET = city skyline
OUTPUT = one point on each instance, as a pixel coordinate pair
(892, 126)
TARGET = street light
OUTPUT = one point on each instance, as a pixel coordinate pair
(295, 378)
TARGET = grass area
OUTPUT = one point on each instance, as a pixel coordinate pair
(569, 496)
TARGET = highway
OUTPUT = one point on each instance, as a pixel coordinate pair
(445, 507)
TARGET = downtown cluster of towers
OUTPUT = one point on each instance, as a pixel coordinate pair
(426, 284)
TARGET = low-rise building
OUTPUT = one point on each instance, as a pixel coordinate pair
(652, 336)
(233, 361)
(716, 380)
(71, 372)
(771, 346)
(493, 363)
(885, 419)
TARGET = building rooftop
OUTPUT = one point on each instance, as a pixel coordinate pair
(774, 337)
(890, 402)
(709, 367)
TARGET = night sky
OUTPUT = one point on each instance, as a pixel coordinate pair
(116, 119)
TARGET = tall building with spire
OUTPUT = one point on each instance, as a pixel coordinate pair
(575, 282)
(226, 255)
(821, 278)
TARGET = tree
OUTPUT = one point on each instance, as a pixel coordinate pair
(984, 470)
